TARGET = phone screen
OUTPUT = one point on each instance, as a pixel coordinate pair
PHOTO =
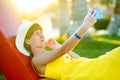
(99, 13)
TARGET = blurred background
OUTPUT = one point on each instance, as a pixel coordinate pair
(68, 15)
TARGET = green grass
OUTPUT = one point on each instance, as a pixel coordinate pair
(95, 45)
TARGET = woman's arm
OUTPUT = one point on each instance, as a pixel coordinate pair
(53, 44)
(69, 44)
(73, 55)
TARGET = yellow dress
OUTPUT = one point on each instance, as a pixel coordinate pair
(105, 67)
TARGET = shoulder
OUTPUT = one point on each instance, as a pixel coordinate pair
(36, 60)
(39, 69)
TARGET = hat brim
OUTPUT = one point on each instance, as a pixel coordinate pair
(44, 21)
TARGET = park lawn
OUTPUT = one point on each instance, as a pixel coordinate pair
(95, 45)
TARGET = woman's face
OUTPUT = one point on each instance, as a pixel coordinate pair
(37, 39)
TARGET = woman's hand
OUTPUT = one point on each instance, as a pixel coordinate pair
(53, 44)
(90, 19)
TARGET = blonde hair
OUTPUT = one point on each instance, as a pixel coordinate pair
(30, 32)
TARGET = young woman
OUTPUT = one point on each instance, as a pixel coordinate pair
(61, 63)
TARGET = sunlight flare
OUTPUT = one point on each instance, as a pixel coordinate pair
(29, 5)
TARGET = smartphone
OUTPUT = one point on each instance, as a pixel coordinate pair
(99, 13)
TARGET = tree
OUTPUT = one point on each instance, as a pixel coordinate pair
(114, 26)
(63, 16)
(79, 10)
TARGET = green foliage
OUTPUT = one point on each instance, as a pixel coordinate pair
(117, 7)
(2, 77)
(102, 23)
(107, 2)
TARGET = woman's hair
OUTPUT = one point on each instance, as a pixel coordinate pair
(29, 34)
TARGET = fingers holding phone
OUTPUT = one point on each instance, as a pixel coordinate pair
(98, 13)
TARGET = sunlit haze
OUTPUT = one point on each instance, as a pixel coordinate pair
(30, 9)
(29, 5)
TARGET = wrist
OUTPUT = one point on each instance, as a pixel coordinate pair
(82, 30)
(77, 36)
(86, 25)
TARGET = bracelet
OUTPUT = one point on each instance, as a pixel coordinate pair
(77, 36)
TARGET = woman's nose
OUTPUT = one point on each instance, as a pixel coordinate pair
(42, 35)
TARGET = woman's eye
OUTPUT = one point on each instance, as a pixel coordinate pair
(38, 32)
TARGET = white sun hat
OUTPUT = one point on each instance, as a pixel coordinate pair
(44, 21)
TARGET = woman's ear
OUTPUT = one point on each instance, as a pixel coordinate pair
(27, 41)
